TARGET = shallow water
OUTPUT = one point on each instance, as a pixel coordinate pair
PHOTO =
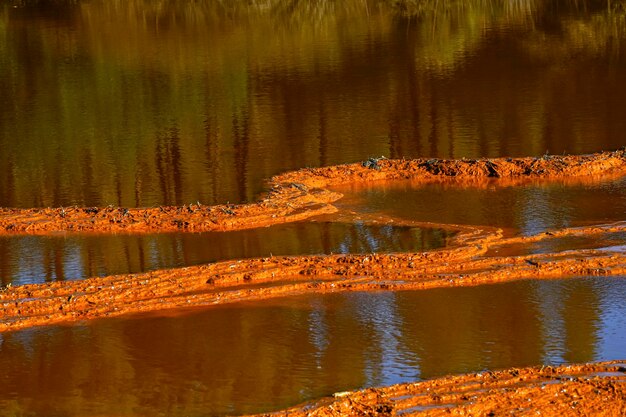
(609, 241)
(257, 357)
(37, 259)
(142, 103)
(137, 103)
(528, 209)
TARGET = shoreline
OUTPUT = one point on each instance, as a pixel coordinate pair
(462, 264)
(302, 194)
(468, 260)
(597, 389)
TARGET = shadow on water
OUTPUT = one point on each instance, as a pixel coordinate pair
(260, 357)
(36, 259)
(137, 103)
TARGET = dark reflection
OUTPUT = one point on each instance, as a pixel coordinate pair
(529, 208)
(138, 103)
(34, 259)
(168, 163)
(253, 357)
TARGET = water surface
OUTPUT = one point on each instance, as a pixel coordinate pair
(528, 209)
(256, 357)
(37, 259)
(141, 103)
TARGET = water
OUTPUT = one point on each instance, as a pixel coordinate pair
(527, 209)
(137, 103)
(37, 259)
(142, 103)
(257, 357)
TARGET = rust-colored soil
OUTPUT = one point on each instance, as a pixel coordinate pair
(468, 260)
(302, 194)
(295, 196)
(575, 390)
(462, 264)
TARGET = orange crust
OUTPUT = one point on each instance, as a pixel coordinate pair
(295, 196)
(301, 194)
(596, 389)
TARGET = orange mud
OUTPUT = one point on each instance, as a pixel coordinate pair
(294, 196)
(576, 390)
(303, 194)
(461, 264)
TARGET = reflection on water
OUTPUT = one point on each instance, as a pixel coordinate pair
(530, 208)
(35, 259)
(260, 357)
(140, 103)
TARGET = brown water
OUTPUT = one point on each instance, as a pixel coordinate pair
(263, 356)
(528, 209)
(36, 259)
(140, 103)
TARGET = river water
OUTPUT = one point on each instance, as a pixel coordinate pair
(257, 357)
(141, 103)
(526, 209)
(37, 259)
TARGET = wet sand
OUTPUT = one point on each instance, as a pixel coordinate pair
(303, 194)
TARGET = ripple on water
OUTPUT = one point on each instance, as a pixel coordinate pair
(254, 357)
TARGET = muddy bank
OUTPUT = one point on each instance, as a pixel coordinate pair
(462, 264)
(288, 204)
(295, 196)
(302, 194)
(597, 389)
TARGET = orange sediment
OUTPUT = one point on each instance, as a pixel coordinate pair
(597, 389)
(468, 260)
(253, 279)
(301, 194)
(295, 196)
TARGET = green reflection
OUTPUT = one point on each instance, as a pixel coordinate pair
(140, 103)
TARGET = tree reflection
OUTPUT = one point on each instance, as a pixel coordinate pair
(168, 163)
(96, 91)
(581, 327)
